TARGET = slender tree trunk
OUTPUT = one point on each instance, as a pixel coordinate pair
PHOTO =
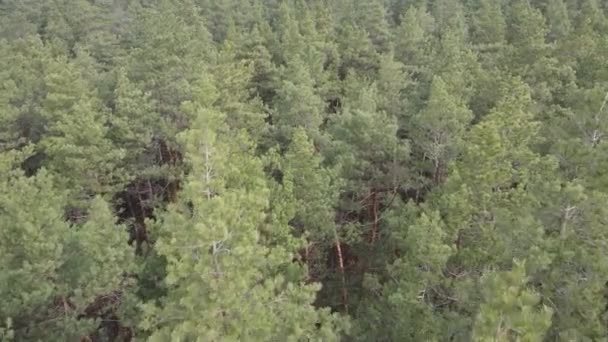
(307, 257)
(140, 229)
(437, 172)
(150, 190)
(374, 217)
(342, 272)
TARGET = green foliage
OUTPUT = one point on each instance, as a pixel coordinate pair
(76, 133)
(312, 187)
(405, 308)
(224, 283)
(54, 274)
(510, 311)
(360, 150)
(237, 170)
(488, 26)
(440, 127)
(297, 103)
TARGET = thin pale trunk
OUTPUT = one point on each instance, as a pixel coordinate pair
(172, 185)
(438, 172)
(342, 272)
(141, 205)
(307, 257)
(140, 229)
(208, 171)
(150, 190)
(568, 214)
(375, 217)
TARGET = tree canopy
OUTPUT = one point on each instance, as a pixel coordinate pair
(303, 170)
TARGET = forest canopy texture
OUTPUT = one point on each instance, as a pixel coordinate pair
(303, 170)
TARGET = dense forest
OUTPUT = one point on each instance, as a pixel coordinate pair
(303, 170)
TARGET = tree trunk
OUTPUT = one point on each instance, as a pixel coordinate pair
(342, 272)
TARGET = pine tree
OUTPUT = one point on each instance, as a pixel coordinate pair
(218, 16)
(237, 98)
(393, 83)
(449, 17)
(372, 17)
(439, 128)
(576, 274)
(581, 130)
(510, 310)
(76, 137)
(529, 56)
(23, 92)
(17, 19)
(372, 161)
(402, 307)
(311, 192)
(399, 7)
(253, 48)
(526, 33)
(170, 49)
(56, 278)
(134, 123)
(412, 38)
(224, 280)
(297, 103)
(357, 52)
(456, 64)
(371, 158)
(291, 43)
(311, 187)
(391, 161)
(558, 19)
(493, 194)
(488, 25)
